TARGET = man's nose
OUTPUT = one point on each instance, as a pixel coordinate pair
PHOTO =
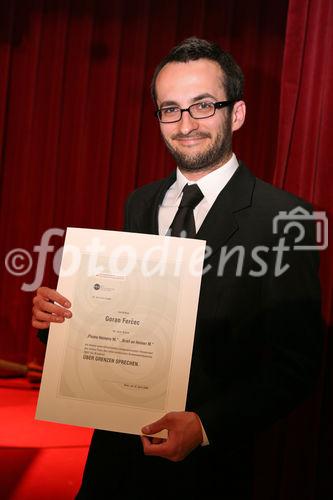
(187, 123)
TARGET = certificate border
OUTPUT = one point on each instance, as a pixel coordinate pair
(120, 417)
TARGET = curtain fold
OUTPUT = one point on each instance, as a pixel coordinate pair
(305, 155)
(77, 135)
(304, 167)
(77, 129)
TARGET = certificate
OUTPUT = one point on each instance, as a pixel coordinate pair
(123, 360)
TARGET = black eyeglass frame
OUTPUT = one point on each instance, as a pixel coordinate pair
(217, 105)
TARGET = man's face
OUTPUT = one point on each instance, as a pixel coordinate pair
(196, 145)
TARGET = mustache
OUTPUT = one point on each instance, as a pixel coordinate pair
(196, 135)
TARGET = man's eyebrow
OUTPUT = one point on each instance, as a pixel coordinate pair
(169, 103)
(204, 96)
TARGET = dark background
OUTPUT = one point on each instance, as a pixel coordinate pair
(77, 135)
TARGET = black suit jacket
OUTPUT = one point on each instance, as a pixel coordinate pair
(258, 337)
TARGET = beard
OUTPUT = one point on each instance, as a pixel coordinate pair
(217, 154)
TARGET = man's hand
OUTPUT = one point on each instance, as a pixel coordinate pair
(184, 434)
(49, 307)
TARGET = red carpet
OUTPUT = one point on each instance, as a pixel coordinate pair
(38, 460)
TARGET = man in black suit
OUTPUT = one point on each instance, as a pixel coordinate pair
(258, 335)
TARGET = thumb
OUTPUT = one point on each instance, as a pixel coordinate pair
(157, 426)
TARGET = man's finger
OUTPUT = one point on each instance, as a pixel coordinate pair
(40, 325)
(156, 440)
(157, 426)
(52, 295)
(49, 307)
(160, 449)
(45, 316)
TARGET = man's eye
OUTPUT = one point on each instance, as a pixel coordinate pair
(204, 105)
(167, 111)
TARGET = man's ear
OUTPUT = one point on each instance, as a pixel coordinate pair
(238, 115)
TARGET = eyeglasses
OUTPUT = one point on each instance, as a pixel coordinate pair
(198, 111)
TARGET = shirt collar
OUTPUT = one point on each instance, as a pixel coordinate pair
(212, 183)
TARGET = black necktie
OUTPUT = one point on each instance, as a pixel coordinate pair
(183, 223)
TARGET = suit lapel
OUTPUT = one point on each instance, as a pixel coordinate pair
(221, 222)
(219, 225)
(150, 214)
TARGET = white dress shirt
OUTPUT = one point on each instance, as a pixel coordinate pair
(211, 185)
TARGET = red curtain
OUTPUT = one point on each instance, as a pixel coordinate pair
(304, 167)
(77, 135)
(305, 155)
(77, 131)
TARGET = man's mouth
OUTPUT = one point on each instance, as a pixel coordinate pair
(190, 140)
